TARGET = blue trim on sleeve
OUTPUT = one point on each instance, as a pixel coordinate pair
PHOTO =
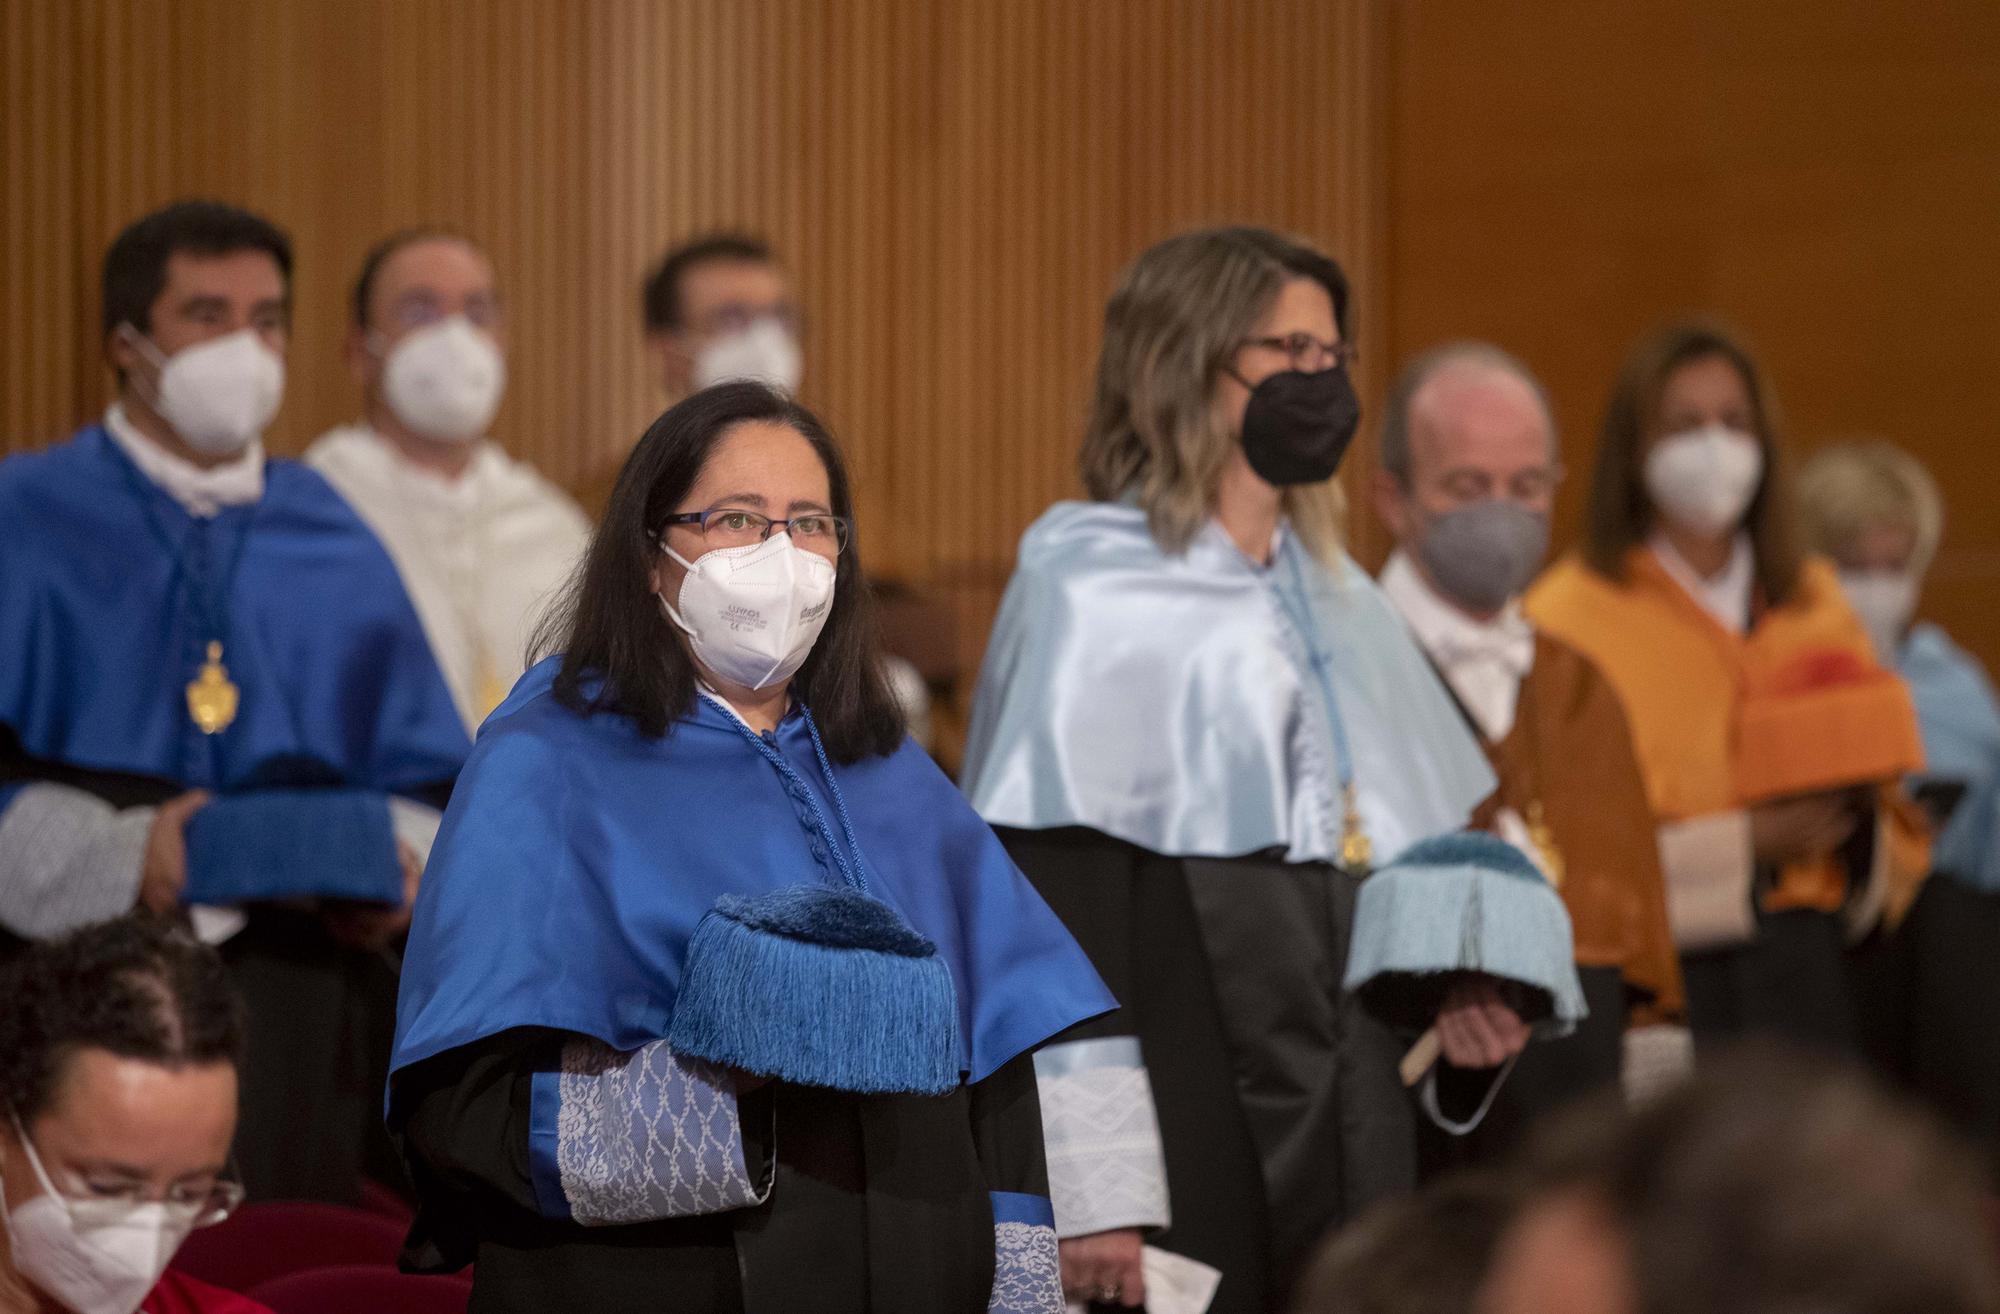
(544, 1170)
(1020, 1207)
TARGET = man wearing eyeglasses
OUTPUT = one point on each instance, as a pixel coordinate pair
(1467, 483)
(482, 541)
(119, 1049)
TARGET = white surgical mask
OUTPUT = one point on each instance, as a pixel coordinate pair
(1885, 600)
(753, 613)
(766, 352)
(1703, 479)
(218, 395)
(444, 380)
(92, 1256)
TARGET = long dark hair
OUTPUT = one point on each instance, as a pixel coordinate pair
(621, 654)
(1620, 514)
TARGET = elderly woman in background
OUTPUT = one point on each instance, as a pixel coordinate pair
(1765, 730)
(119, 1047)
(1198, 726)
(1875, 511)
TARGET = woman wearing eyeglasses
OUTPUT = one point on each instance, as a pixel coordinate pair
(1198, 726)
(717, 993)
(119, 1047)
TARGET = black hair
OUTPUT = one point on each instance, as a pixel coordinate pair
(379, 254)
(141, 987)
(660, 299)
(621, 654)
(135, 268)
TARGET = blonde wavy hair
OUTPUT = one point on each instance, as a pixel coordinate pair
(1853, 486)
(1156, 432)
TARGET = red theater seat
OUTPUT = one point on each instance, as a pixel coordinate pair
(268, 1240)
(352, 1290)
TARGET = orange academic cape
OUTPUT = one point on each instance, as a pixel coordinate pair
(1571, 751)
(1723, 721)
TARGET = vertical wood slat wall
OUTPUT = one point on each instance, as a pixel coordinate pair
(955, 184)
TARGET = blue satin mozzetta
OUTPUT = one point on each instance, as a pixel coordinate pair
(1171, 701)
(1960, 720)
(108, 594)
(578, 855)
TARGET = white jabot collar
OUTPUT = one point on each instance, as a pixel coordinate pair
(1725, 597)
(238, 481)
(1483, 661)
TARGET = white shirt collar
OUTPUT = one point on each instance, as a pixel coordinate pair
(1725, 597)
(200, 492)
(1483, 661)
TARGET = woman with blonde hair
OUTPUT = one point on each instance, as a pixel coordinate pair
(1198, 725)
(1768, 736)
(1875, 511)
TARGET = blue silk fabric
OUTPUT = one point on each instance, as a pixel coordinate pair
(578, 854)
(1960, 720)
(108, 590)
(1169, 700)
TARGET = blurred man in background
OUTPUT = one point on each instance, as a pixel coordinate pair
(481, 540)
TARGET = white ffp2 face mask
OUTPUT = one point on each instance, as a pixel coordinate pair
(752, 614)
(92, 1256)
(765, 352)
(1885, 600)
(444, 380)
(1704, 479)
(218, 395)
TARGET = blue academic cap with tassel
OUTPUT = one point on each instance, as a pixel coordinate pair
(821, 985)
(1466, 902)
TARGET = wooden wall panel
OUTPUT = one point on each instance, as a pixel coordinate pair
(1826, 175)
(956, 185)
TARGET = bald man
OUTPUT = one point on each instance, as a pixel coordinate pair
(1467, 480)
(482, 541)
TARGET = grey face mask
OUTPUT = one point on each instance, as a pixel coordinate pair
(1483, 554)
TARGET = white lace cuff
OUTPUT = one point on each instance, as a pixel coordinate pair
(632, 1137)
(1027, 1272)
(1101, 1137)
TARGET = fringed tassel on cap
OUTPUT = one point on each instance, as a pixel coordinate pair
(822, 986)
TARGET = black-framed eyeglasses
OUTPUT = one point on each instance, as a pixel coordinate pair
(1308, 353)
(729, 526)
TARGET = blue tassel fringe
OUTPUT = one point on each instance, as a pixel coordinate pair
(819, 986)
(1466, 902)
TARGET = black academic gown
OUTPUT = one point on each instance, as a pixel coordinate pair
(1279, 1108)
(877, 1203)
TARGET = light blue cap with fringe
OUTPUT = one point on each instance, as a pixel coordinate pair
(1465, 902)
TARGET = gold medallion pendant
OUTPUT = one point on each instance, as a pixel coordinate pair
(1543, 837)
(1357, 851)
(212, 697)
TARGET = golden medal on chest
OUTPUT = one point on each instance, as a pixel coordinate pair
(1543, 837)
(1357, 851)
(212, 697)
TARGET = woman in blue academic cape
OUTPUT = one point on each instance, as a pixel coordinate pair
(717, 992)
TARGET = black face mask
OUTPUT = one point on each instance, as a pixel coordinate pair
(1298, 425)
